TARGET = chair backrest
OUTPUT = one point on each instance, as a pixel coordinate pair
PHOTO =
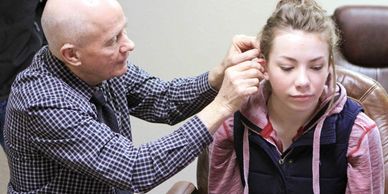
(367, 91)
(374, 100)
(364, 40)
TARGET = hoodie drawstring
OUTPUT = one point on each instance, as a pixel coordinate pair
(316, 155)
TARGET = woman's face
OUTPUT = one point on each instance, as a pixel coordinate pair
(297, 68)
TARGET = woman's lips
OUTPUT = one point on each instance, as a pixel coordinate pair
(302, 98)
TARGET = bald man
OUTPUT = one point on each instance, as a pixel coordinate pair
(55, 137)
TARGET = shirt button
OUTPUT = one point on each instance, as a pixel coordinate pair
(281, 161)
(290, 161)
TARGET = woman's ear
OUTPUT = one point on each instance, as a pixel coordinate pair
(70, 55)
(264, 66)
(328, 79)
(331, 78)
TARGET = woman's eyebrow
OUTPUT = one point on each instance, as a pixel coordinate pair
(294, 60)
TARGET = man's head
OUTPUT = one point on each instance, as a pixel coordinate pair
(88, 36)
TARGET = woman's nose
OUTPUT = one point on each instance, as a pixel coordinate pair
(302, 79)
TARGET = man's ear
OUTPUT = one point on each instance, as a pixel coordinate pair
(70, 55)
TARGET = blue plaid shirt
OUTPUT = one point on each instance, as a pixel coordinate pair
(55, 143)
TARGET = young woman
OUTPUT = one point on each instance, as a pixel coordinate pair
(300, 133)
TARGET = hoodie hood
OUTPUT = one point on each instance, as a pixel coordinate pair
(255, 110)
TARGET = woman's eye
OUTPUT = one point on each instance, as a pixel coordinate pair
(317, 67)
(284, 68)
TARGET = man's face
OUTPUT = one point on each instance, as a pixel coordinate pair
(105, 54)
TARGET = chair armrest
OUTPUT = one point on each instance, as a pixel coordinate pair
(182, 187)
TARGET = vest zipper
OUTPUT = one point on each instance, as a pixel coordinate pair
(283, 158)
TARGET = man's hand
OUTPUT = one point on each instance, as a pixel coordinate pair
(243, 48)
(240, 81)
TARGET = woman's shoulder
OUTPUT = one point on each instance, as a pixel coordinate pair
(364, 130)
(364, 123)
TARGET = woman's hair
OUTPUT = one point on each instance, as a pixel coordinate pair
(303, 15)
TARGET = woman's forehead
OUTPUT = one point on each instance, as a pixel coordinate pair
(297, 43)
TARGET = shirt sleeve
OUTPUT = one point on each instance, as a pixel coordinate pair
(69, 135)
(365, 158)
(155, 100)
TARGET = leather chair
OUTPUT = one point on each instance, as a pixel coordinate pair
(364, 45)
(367, 91)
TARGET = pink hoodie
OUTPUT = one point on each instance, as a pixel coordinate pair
(365, 156)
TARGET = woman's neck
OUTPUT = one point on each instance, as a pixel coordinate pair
(285, 121)
(280, 113)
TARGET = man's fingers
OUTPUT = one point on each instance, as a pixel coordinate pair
(247, 86)
(243, 43)
(252, 66)
(245, 56)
